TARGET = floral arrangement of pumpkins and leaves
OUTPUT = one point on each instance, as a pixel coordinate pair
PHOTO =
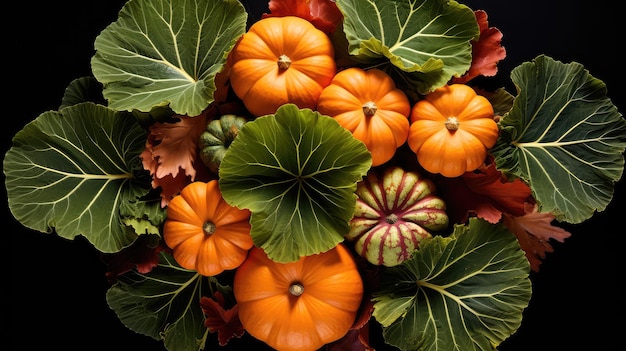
(319, 175)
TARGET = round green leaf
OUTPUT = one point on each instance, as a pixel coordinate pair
(296, 171)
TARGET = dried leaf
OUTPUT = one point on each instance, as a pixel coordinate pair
(171, 154)
(534, 231)
(175, 145)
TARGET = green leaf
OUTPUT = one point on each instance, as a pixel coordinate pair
(145, 215)
(464, 292)
(564, 137)
(163, 304)
(71, 170)
(296, 171)
(430, 39)
(161, 52)
(501, 101)
(84, 89)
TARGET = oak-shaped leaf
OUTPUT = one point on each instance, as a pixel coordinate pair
(323, 14)
(221, 320)
(534, 231)
(485, 193)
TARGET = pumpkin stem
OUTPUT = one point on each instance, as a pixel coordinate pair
(296, 289)
(209, 227)
(369, 108)
(233, 131)
(392, 218)
(284, 62)
(452, 123)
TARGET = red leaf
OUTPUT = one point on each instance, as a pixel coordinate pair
(357, 338)
(170, 186)
(354, 340)
(486, 51)
(140, 255)
(365, 313)
(222, 83)
(533, 231)
(225, 322)
(485, 193)
(323, 14)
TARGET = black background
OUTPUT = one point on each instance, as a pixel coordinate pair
(57, 287)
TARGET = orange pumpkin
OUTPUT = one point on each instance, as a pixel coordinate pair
(369, 105)
(302, 305)
(281, 60)
(452, 129)
(204, 232)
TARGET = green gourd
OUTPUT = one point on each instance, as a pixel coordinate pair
(216, 139)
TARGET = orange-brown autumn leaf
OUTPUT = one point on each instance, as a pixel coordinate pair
(323, 14)
(534, 231)
(486, 51)
(176, 145)
(217, 319)
(171, 154)
(170, 186)
(484, 193)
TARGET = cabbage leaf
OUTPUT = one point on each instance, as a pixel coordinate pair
(428, 41)
(72, 171)
(166, 52)
(564, 137)
(163, 304)
(462, 292)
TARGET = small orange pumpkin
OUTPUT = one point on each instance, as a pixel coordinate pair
(451, 130)
(369, 105)
(302, 305)
(204, 232)
(281, 60)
